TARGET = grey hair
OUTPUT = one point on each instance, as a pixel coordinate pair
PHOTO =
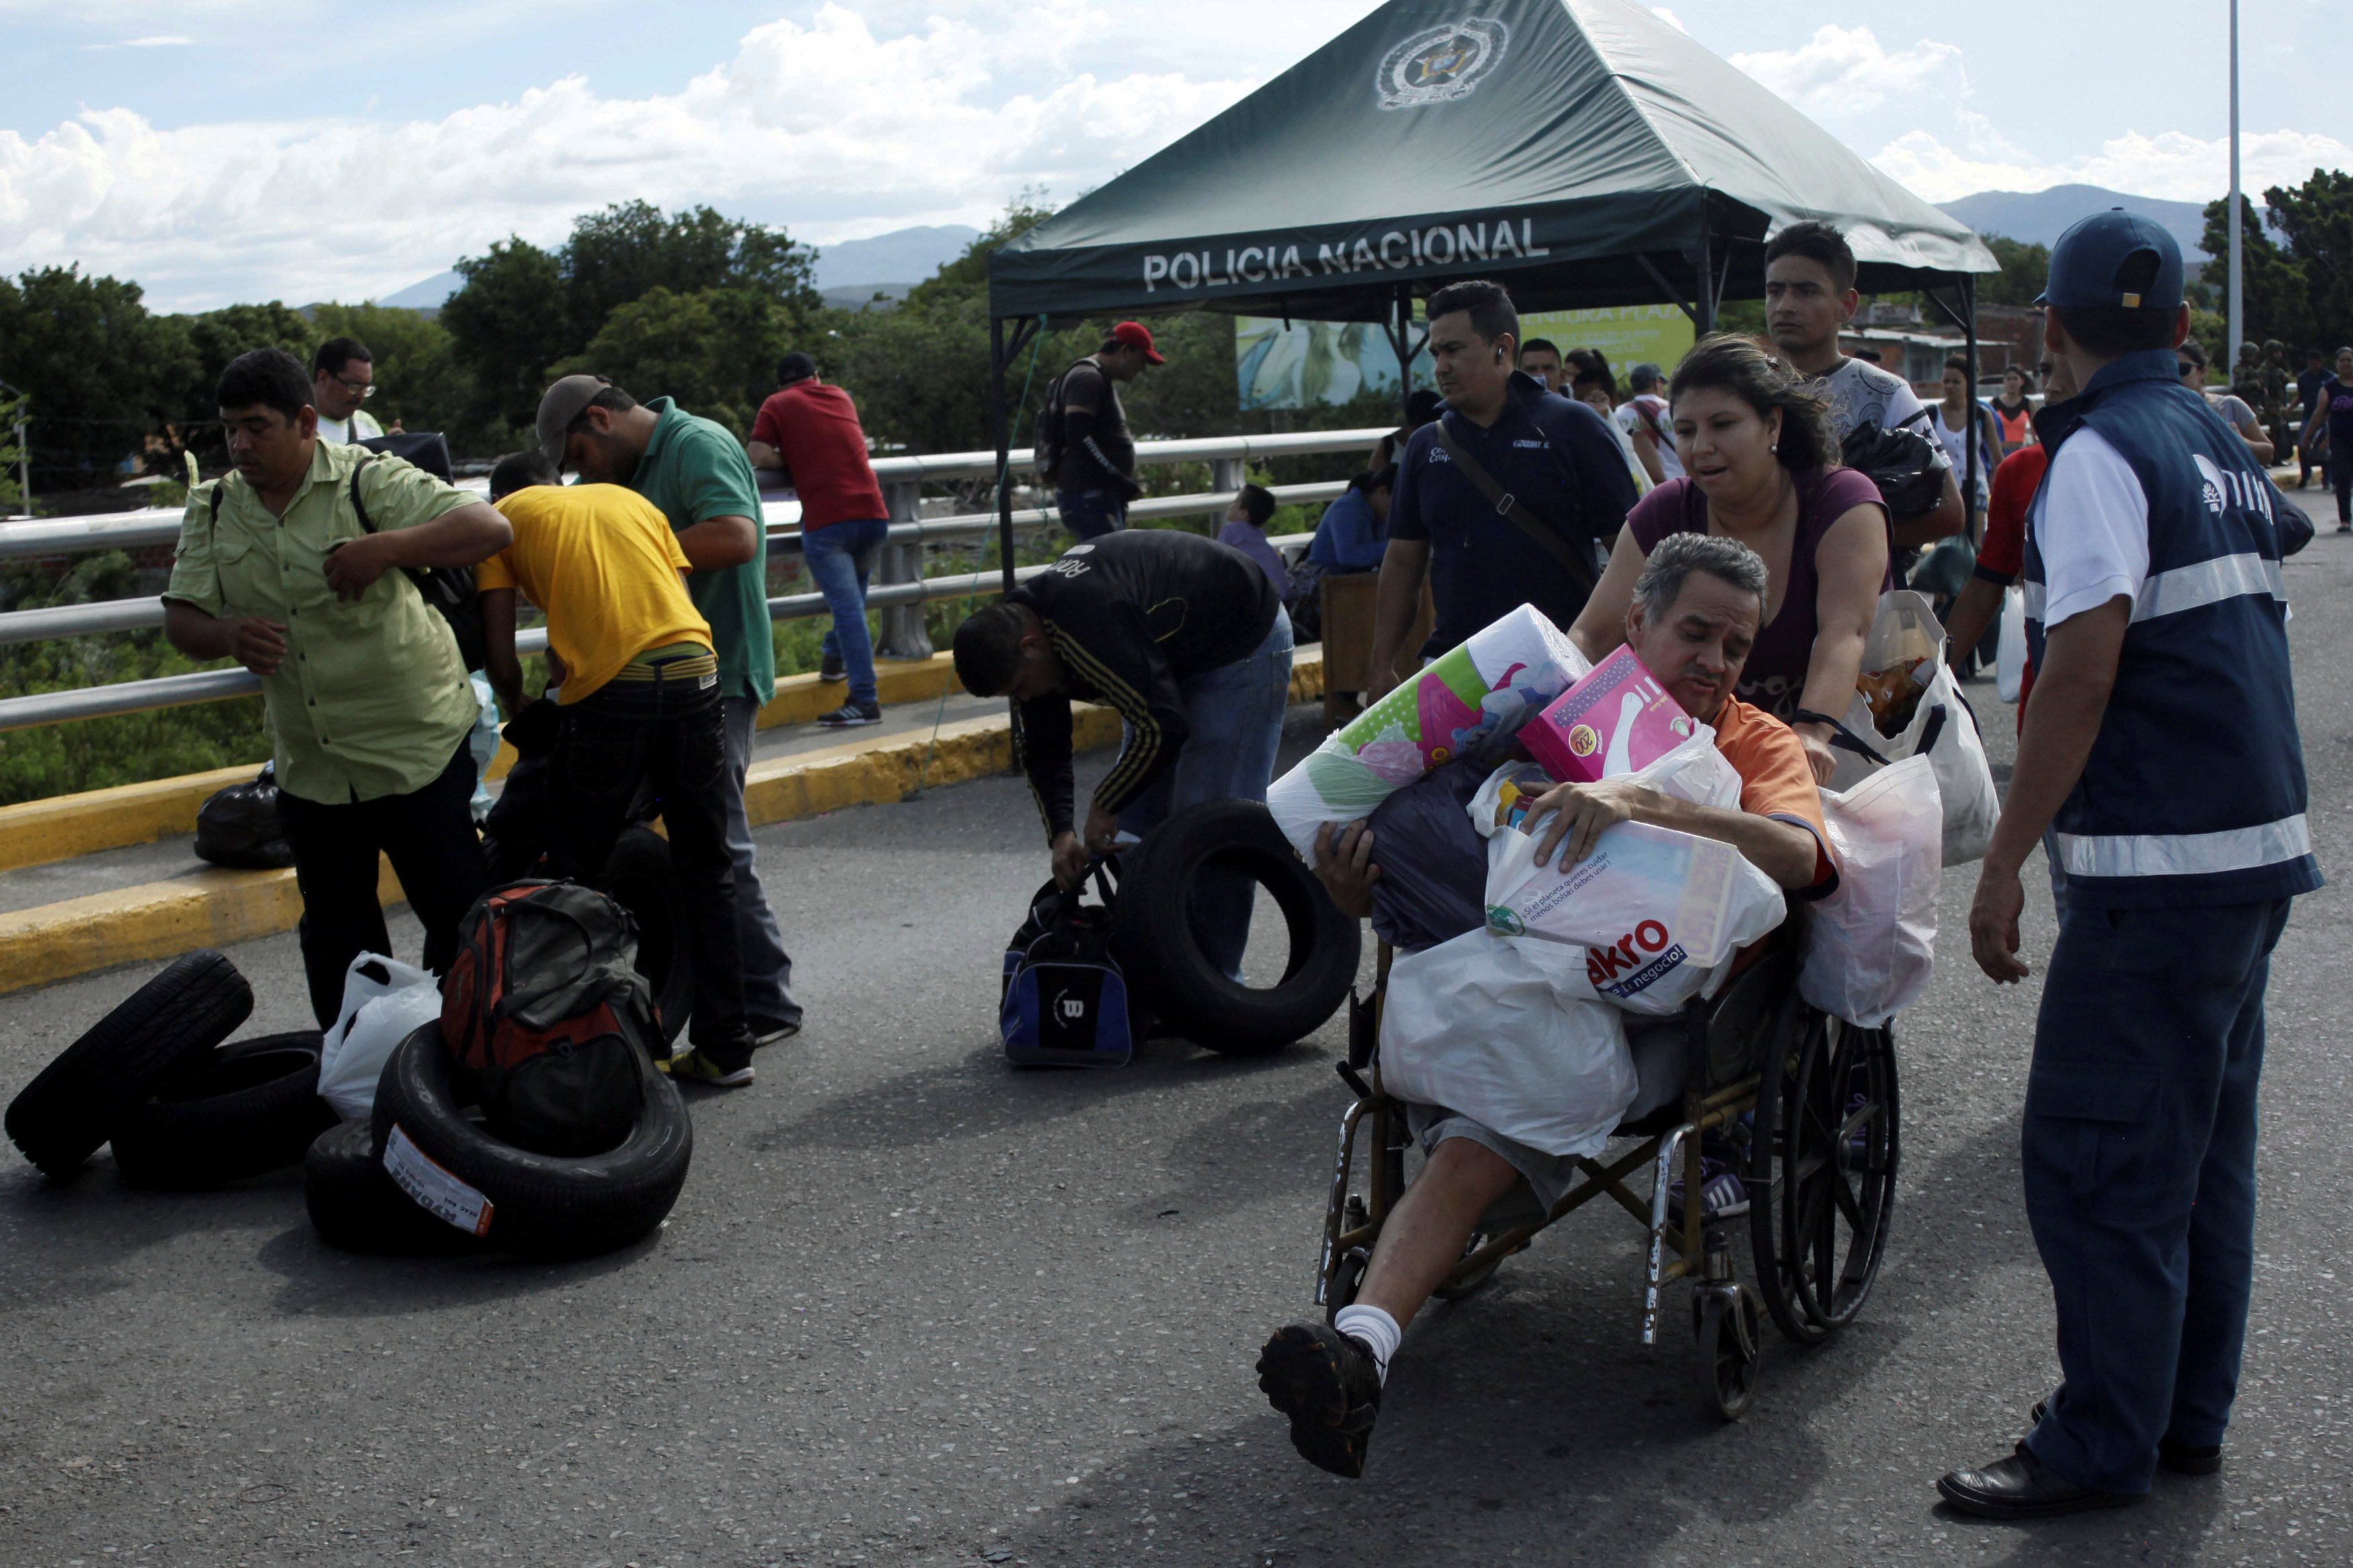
(1674, 558)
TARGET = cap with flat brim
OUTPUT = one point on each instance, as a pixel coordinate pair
(2087, 264)
(560, 406)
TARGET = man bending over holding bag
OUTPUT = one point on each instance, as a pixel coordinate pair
(1692, 619)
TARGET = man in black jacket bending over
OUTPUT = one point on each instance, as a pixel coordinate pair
(1186, 639)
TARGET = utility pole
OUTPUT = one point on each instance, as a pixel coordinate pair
(2235, 307)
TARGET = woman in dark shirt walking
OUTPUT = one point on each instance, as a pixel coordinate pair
(1760, 462)
(2333, 413)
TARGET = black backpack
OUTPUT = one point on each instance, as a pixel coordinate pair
(1046, 446)
(1905, 463)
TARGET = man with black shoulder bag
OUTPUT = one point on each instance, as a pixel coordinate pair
(1511, 497)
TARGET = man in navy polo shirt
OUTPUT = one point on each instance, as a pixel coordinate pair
(2161, 745)
(1554, 457)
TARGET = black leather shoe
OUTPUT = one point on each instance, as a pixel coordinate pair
(2181, 1459)
(2022, 1487)
(1330, 1387)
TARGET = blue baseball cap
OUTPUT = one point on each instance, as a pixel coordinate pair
(2089, 256)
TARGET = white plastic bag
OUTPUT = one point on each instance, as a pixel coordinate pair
(384, 1001)
(1942, 726)
(1871, 946)
(1694, 771)
(1507, 1033)
(1470, 702)
(2010, 662)
(1656, 912)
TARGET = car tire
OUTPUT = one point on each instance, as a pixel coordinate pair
(525, 1201)
(1154, 940)
(248, 1107)
(356, 1208)
(638, 877)
(82, 1097)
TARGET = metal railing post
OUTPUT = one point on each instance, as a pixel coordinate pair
(904, 634)
(1228, 474)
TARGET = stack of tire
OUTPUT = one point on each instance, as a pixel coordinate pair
(424, 1175)
(1160, 954)
(185, 1111)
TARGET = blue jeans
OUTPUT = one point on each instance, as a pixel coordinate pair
(1090, 514)
(2139, 1155)
(1235, 715)
(841, 555)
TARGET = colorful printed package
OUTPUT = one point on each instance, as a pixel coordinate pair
(1616, 720)
(1471, 702)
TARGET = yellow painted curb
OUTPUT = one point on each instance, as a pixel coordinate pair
(802, 698)
(213, 908)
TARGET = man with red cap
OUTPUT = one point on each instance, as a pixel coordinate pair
(1084, 447)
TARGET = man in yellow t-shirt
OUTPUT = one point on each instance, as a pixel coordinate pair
(636, 689)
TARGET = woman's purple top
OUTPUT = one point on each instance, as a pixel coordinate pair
(1775, 676)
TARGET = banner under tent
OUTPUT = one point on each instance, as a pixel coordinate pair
(1582, 153)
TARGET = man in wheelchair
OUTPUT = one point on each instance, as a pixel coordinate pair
(1694, 614)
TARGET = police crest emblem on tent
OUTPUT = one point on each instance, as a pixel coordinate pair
(1439, 65)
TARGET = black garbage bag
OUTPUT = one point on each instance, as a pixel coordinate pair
(1433, 885)
(238, 826)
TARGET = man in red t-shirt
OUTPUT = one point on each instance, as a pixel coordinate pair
(810, 431)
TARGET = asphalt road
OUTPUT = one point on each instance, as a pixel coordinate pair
(916, 1309)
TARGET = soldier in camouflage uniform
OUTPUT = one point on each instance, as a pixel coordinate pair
(2277, 409)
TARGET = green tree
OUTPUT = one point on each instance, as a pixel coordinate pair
(11, 495)
(2315, 218)
(714, 351)
(2277, 299)
(208, 342)
(630, 249)
(2025, 268)
(506, 326)
(97, 369)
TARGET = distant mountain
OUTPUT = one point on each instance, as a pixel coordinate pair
(429, 295)
(903, 253)
(860, 296)
(2039, 217)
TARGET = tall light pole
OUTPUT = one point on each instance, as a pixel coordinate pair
(2235, 306)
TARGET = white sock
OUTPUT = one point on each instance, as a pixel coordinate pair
(1377, 1329)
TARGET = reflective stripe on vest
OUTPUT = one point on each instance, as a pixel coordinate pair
(2189, 588)
(2186, 854)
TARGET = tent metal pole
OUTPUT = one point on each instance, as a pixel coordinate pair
(1398, 341)
(1674, 295)
(1000, 432)
(1706, 321)
(1970, 352)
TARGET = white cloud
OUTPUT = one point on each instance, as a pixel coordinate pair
(2169, 164)
(835, 129)
(154, 43)
(1843, 71)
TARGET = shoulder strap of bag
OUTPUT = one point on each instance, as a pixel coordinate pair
(358, 505)
(1841, 737)
(1516, 511)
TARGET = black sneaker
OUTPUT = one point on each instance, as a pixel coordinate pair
(850, 713)
(1330, 1387)
(830, 669)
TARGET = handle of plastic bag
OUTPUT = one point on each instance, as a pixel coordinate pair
(1843, 737)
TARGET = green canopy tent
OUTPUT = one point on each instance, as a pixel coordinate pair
(1582, 153)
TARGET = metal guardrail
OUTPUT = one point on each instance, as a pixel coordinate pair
(899, 593)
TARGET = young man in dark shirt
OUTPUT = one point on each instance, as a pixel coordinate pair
(1555, 457)
(1095, 471)
(1186, 638)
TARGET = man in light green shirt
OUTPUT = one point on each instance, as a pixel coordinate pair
(701, 479)
(368, 703)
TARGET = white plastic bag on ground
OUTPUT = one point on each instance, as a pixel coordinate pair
(1906, 636)
(2010, 661)
(1470, 702)
(1871, 946)
(1507, 1033)
(384, 1001)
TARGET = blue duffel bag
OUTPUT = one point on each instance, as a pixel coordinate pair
(1064, 1001)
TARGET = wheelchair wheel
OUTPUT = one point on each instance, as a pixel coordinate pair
(1773, 1257)
(1725, 1324)
(1346, 1280)
(1840, 1155)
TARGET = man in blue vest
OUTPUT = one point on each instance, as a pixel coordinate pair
(2161, 748)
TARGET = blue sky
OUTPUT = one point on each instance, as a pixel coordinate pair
(221, 150)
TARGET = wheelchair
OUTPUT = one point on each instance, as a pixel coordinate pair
(1807, 1103)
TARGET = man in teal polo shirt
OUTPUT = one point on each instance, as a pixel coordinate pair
(699, 475)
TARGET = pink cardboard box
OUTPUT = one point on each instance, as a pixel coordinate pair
(1618, 719)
